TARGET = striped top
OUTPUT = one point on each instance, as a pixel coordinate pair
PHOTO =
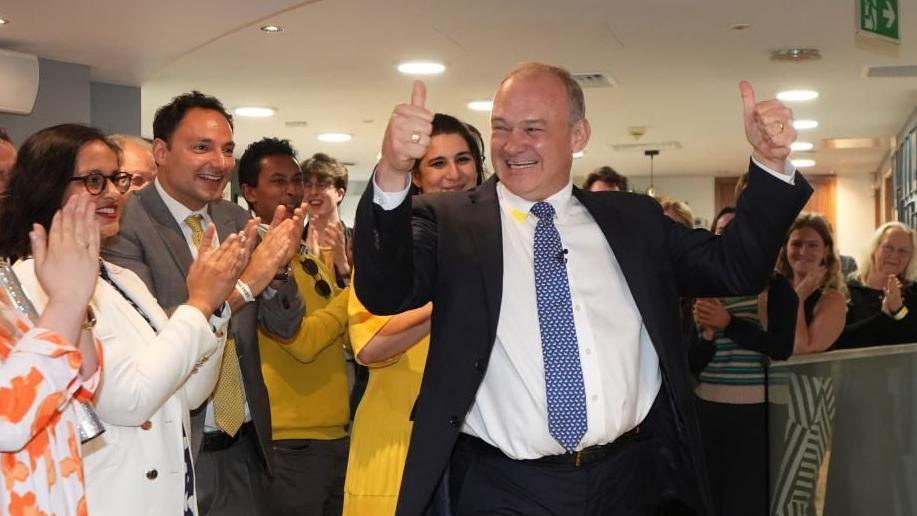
(734, 375)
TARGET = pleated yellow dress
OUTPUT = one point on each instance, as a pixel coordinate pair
(381, 427)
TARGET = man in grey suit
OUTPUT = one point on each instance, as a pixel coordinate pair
(231, 433)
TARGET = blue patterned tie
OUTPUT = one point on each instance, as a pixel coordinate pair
(563, 373)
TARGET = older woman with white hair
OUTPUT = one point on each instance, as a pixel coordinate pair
(883, 293)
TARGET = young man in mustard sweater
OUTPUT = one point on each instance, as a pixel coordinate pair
(306, 375)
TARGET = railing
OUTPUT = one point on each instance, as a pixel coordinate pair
(843, 433)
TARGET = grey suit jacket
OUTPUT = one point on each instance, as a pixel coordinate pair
(151, 244)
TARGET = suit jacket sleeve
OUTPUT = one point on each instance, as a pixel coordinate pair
(777, 341)
(394, 254)
(740, 262)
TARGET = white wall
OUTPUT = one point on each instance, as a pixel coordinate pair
(697, 191)
(855, 213)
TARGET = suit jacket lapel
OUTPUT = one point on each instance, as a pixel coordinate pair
(223, 219)
(167, 228)
(630, 257)
(487, 234)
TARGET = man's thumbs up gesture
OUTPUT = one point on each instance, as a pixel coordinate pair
(768, 127)
(406, 139)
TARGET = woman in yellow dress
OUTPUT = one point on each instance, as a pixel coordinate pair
(395, 347)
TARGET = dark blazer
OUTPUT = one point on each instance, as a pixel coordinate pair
(151, 244)
(448, 249)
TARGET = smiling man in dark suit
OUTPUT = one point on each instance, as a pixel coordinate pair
(557, 382)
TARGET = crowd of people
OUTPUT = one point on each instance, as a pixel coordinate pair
(475, 344)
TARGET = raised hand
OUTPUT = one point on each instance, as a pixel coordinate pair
(67, 256)
(768, 127)
(277, 248)
(213, 274)
(406, 139)
(892, 301)
(811, 283)
(711, 314)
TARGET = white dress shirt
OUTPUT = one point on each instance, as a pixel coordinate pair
(620, 366)
(180, 212)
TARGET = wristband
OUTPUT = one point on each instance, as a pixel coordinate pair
(244, 291)
(900, 314)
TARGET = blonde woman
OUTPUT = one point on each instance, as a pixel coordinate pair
(883, 294)
(811, 263)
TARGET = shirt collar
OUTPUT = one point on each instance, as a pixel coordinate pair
(178, 210)
(519, 209)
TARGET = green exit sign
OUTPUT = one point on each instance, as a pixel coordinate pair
(879, 18)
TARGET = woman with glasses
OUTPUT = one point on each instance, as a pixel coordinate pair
(157, 367)
(395, 347)
(305, 375)
(883, 294)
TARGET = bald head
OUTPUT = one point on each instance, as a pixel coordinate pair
(575, 100)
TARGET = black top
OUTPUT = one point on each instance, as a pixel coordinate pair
(868, 326)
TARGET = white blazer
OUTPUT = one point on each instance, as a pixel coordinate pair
(149, 385)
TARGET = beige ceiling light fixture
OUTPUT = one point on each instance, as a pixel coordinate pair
(795, 55)
(3, 21)
(578, 155)
(421, 68)
(271, 29)
(797, 95)
(855, 143)
(637, 131)
(652, 153)
(254, 112)
(801, 146)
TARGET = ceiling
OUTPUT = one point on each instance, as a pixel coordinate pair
(676, 65)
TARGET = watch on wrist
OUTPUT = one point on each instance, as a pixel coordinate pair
(90, 321)
(283, 274)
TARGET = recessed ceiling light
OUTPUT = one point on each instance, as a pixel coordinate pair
(578, 155)
(797, 95)
(254, 111)
(801, 146)
(271, 29)
(3, 21)
(481, 105)
(421, 68)
(795, 54)
(802, 125)
(803, 163)
(335, 137)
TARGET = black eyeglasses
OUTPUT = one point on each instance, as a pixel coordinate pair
(322, 287)
(95, 181)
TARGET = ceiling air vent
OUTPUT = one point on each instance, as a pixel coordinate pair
(595, 80)
(640, 147)
(909, 71)
(296, 123)
(349, 163)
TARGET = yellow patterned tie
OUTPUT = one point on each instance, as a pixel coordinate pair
(228, 400)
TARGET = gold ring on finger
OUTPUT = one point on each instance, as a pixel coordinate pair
(415, 137)
(83, 244)
(780, 126)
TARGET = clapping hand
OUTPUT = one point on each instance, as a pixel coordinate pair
(768, 127)
(406, 139)
(276, 249)
(892, 301)
(213, 274)
(710, 313)
(67, 256)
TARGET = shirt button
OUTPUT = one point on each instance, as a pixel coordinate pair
(146, 425)
(455, 421)
(152, 474)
